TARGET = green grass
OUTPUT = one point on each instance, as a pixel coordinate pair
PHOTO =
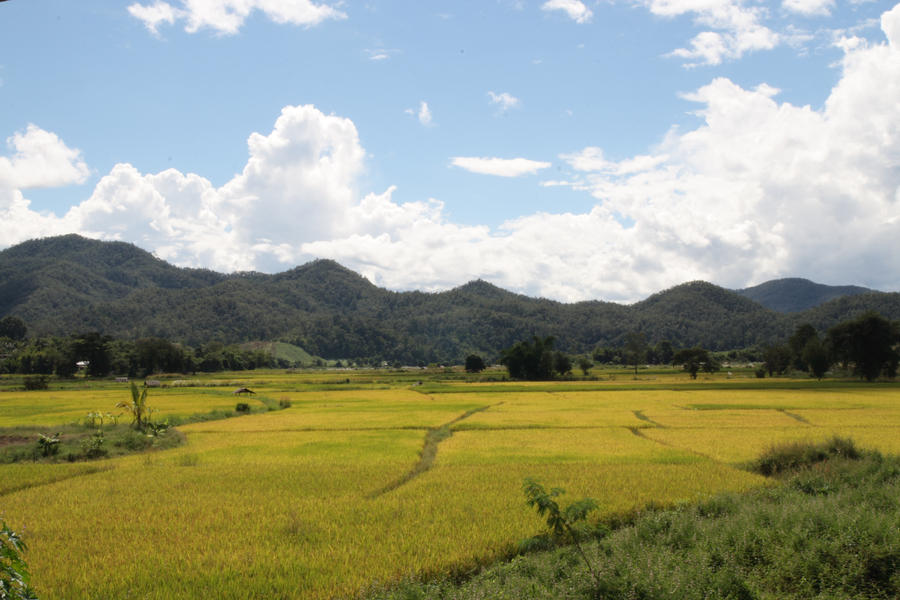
(20, 444)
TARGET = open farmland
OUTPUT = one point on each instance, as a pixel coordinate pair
(326, 497)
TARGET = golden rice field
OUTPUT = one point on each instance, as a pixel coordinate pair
(291, 503)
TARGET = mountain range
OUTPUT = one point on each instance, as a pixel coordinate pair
(69, 284)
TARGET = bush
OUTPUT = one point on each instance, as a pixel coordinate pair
(36, 382)
(799, 455)
(284, 402)
(93, 446)
(242, 407)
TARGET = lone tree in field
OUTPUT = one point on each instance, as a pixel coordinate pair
(635, 350)
(532, 360)
(474, 364)
(585, 364)
(695, 359)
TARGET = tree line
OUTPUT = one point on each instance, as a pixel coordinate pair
(867, 346)
(100, 355)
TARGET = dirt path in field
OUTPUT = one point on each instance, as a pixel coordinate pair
(794, 416)
(429, 450)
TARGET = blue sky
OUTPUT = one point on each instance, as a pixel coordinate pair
(570, 149)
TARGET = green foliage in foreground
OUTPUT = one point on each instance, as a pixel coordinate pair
(829, 531)
(14, 577)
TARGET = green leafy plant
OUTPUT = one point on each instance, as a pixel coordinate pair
(137, 407)
(93, 445)
(563, 525)
(157, 429)
(14, 576)
(48, 445)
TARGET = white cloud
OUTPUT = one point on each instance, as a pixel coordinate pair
(41, 159)
(890, 24)
(809, 7)
(760, 189)
(423, 114)
(503, 100)
(574, 9)
(156, 14)
(734, 29)
(379, 54)
(227, 16)
(503, 167)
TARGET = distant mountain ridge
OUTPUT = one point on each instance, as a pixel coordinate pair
(70, 284)
(795, 294)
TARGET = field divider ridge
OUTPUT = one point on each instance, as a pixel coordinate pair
(639, 432)
(428, 453)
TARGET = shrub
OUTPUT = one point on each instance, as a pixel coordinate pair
(242, 407)
(36, 382)
(93, 445)
(799, 455)
(284, 402)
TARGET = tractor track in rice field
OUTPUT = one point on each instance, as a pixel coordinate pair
(428, 453)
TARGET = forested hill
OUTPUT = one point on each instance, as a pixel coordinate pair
(70, 284)
(794, 294)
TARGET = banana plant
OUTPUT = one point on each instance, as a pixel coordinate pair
(137, 407)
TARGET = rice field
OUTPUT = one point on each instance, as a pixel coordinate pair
(315, 501)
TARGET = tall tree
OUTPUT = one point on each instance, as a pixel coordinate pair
(93, 348)
(13, 328)
(530, 359)
(776, 359)
(474, 364)
(797, 342)
(635, 349)
(815, 357)
(869, 342)
(695, 359)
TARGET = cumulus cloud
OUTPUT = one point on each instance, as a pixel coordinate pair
(503, 167)
(156, 14)
(734, 29)
(574, 9)
(809, 7)
(227, 16)
(760, 188)
(40, 159)
(503, 100)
